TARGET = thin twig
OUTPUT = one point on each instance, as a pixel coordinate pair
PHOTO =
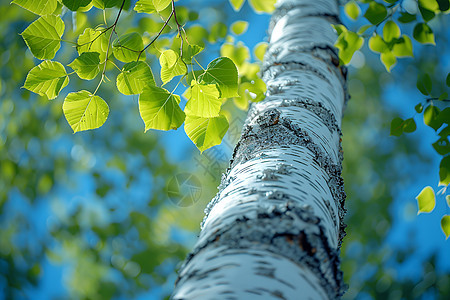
(113, 27)
(157, 36)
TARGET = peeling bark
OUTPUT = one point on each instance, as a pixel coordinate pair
(275, 227)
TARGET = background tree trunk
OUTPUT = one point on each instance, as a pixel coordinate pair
(275, 227)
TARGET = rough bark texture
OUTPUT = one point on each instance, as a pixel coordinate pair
(275, 227)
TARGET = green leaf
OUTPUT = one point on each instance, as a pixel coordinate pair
(161, 4)
(223, 72)
(364, 28)
(339, 28)
(74, 5)
(377, 44)
(391, 31)
(348, 43)
(397, 126)
(388, 59)
(267, 6)
(203, 100)
(431, 5)
(445, 225)
(135, 76)
(93, 41)
(239, 27)
(238, 53)
(426, 200)
(171, 65)
(442, 146)
(447, 80)
(375, 13)
(127, 47)
(447, 199)
(145, 6)
(48, 78)
(424, 84)
(406, 17)
(160, 109)
(443, 96)
(87, 65)
(419, 108)
(190, 52)
(444, 172)
(206, 132)
(39, 7)
(85, 111)
(430, 117)
(237, 4)
(218, 31)
(260, 50)
(409, 125)
(43, 36)
(102, 4)
(403, 47)
(423, 34)
(427, 15)
(352, 10)
(444, 5)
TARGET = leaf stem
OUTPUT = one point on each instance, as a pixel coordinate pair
(157, 36)
(113, 27)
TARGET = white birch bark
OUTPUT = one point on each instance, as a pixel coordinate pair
(274, 229)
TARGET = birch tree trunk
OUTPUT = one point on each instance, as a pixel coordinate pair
(275, 227)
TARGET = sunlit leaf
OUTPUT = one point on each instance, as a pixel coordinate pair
(364, 28)
(237, 4)
(444, 171)
(390, 31)
(259, 50)
(93, 41)
(128, 46)
(203, 100)
(238, 53)
(388, 59)
(239, 27)
(135, 76)
(48, 78)
(403, 47)
(190, 52)
(160, 109)
(145, 6)
(223, 72)
(161, 4)
(377, 44)
(445, 225)
(87, 65)
(43, 36)
(102, 4)
(39, 7)
(348, 43)
(267, 6)
(352, 10)
(423, 34)
(171, 65)
(85, 111)
(206, 132)
(426, 200)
